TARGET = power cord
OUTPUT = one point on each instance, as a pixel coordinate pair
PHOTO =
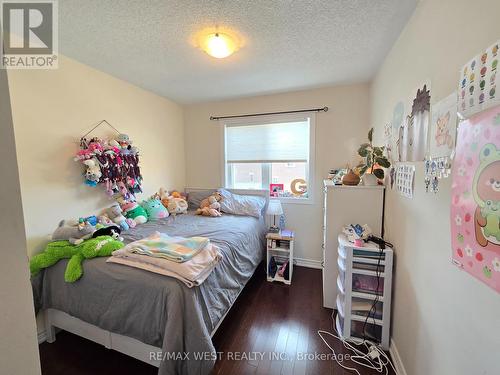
(374, 358)
(371, 313)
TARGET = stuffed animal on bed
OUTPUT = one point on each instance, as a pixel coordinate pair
(135, 212)
(210, 206)
(207, 211)
(155, 209)
(111, 230)
(209, 201)
(74, 234)
(175, 202)
(177, 206)
(96, 247)
(115, 213)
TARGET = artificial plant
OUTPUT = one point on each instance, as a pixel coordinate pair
(372, 156)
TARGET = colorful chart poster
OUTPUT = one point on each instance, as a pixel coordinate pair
(475, 206)
(479, 78)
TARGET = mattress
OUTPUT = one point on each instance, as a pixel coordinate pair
(155, 309)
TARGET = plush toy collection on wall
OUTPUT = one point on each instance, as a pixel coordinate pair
(113, 163)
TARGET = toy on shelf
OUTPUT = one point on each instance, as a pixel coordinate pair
(57, 250)
(154, 209)
(114, 163)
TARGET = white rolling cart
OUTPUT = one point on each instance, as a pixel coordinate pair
(364, 286)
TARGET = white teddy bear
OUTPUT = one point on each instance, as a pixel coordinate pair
(93, 173)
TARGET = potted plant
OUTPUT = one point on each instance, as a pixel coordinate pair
(370, 168)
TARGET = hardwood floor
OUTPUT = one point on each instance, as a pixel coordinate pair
(268, 319)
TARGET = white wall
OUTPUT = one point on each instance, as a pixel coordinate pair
(18, 342)
(338, 133)
(445, 321)
(53, 108)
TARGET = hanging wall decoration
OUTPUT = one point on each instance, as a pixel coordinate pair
(412, 136)
(397, 122)
(475, 206)
(405, 174)
(479, 81)
(443, 127)
(441, 142)
(114, 163)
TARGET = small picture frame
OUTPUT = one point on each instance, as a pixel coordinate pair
(275, 190)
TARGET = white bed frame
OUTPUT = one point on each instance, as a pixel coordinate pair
(124, 344)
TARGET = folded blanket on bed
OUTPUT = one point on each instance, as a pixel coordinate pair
(161, 245)
(192, 272)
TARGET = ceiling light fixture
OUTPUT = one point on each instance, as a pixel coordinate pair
(220, 45)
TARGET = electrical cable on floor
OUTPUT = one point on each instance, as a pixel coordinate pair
(375, 359)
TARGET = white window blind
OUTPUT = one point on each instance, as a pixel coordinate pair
(267, 143)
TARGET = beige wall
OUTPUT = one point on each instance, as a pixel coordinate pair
(52, 109)
(338, 132)
(445, 321)
(18, 342)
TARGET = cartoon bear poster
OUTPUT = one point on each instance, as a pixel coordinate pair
(443, 127)
(475, 206)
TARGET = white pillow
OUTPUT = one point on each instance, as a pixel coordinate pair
(247, 205)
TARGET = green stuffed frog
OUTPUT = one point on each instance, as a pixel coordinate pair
(96, 247)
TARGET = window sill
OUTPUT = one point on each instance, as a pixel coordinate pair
(286, 200)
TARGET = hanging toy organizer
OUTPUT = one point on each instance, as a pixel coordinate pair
(114, 163)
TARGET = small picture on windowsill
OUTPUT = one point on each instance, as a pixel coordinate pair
(276, 190)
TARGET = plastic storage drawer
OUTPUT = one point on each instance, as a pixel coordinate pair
(367, 284)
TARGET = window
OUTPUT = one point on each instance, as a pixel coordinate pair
(271, 153)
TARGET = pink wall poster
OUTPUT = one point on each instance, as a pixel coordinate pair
(475, 194)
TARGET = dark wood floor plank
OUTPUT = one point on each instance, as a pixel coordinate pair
(267, 318)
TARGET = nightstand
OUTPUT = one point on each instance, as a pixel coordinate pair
(280, 252)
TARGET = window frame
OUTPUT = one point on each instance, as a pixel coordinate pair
(269, 119)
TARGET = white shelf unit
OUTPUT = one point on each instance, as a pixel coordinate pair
(362, 280)
(282, 252)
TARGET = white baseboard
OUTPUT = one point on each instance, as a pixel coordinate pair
(396, 359)
(42, 337)
(309, 263)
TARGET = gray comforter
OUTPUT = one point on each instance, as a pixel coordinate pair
(155, 309)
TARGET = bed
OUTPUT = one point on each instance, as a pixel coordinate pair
(151, 317)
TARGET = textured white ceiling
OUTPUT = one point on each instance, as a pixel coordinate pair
(289, 44)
